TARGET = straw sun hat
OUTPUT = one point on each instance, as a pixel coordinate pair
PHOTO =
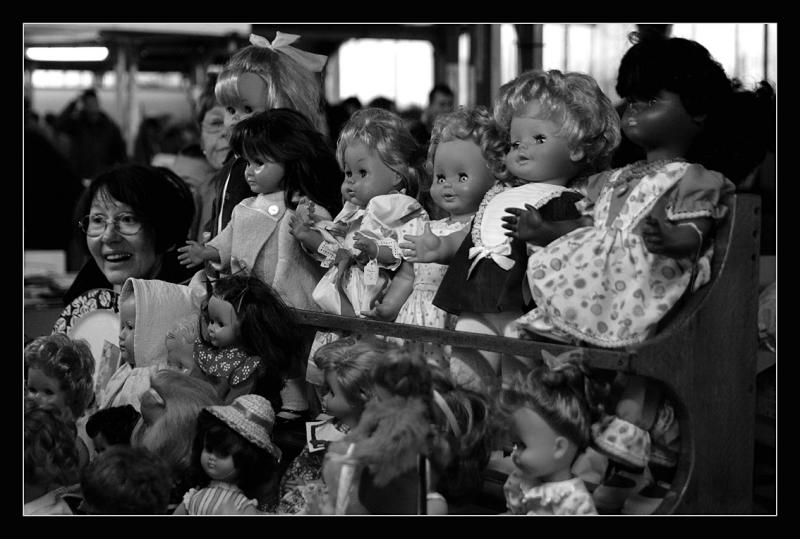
(252, 417)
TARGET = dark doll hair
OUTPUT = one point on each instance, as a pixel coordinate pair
(68, 361)
(127, 481)
(51, 456)
(567, 397)
(267, 329)
(404, 373)
(115, 424)
(287, 137)
(255, 465)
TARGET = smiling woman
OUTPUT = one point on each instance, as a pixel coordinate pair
(133, 216)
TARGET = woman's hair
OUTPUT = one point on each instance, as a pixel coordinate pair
(255, 465)
(568, 398)
(51, 455)
(207, 99)
(267, 329)
(171, 435)
(127, 481)
(351, 363)
(287, 137)
(160, 199)
(385, 133)
(288, 84)
(574, 101)
(115, 424)
(403, 373)
(476, 125)
(187, 329)
(738, 125)
(68, 361)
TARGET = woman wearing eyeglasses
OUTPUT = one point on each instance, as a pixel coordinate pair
(133, 217)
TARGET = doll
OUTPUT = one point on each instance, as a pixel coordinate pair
(461, 176)
(252, 340)
(234, 449)
(346, 365)
(180, 344)
(551, 410)
(556, 127)
(286, 159)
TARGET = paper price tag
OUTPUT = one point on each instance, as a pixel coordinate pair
(371, 273)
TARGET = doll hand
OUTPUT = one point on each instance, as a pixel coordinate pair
(380, 311)
(191, 254)
(664, 238)
(524, 224)
(421, 248)
(366, 245)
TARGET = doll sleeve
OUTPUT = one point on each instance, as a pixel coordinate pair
(699, 193)
(223, 243)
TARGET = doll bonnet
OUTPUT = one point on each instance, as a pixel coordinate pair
(252, 417)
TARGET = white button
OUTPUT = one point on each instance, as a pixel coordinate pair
(273, 210)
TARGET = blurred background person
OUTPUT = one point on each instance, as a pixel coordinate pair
(440, 101)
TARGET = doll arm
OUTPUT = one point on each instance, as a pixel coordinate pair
(399, 290)
(386, 252)
(193, 254)
(680, 240)
(529, 225)
(245, 388)
(428, 247)
(180, 510)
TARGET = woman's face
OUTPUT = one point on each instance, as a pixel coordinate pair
(121, 256)
(214, 137)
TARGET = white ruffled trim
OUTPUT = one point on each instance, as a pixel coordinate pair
(328, 250)
(395, 247)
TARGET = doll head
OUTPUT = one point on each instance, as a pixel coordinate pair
(180, 344)
(112, 426)
(59, 371)
(402, 373)
(559, 126)
(126, 481)
(285, 152)
(466, 157)
(260, 77)
(347, 366)
(378, 155)
(551, 410)
(233, 443)
(51, 456)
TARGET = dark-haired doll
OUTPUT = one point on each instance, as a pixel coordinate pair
(233, 446)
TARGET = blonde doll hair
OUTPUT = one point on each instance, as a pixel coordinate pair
(351, 363)
(574, 100)
(288, 84)
(385, 133)
(474, 124)
(187, 329)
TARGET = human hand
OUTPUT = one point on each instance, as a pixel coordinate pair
(366, 245)
(423, 247)
(191, 254)
(664, 238)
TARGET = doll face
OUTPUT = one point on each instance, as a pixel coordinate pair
(45, 389)
(659, 122)
(263, 175)
(535, 445)
(218, 466)
(336, 404)
(366, 176)
(460, 177)
(252, 99)
(179, 354)
(223, 326)
(537, 153)
(100, 443)
(127, 329)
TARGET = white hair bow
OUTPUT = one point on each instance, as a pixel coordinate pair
(282, 43)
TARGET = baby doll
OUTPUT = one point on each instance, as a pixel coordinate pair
(51, 458)
(551, 410)
(252, 340)
(234, 449)
(147, 309)
(286, 159)
(346, 365)
(558, 127)
(461, 176)
(58, 372)
(167, 427)
(126, 481)
(112, 426)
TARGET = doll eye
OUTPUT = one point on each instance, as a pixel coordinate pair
(515, 145)
(540, 139)
(230, 110)
(440, 178)
(463, 177)
(248, 110)
(362, 172)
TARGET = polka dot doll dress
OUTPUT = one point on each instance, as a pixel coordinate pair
(600, 284)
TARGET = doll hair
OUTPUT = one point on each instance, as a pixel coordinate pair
(68, 361)
(476, 125)
(255, 465)
(567, 397)
(573, 100)
(385, 133)
(404, 373)
(731, 141)
(351, 364)
(287, 137)
(126, 481)
(186, 330)
(115, 424)
(171, 435)
(267, 329)
(288, 84)
(51, 455)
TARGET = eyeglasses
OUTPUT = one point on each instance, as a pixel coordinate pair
(213, 127)
(126, 224)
